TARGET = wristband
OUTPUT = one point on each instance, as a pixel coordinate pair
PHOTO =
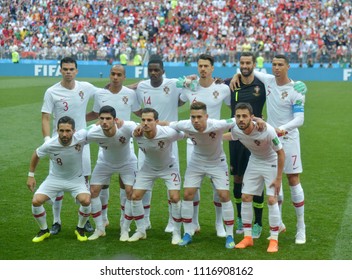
(46, 138)
(30, 174)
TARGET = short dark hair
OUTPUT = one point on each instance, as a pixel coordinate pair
(249, 54)
(118, 66)
(108, 110)
(151, 110)
(208, 57)
(68, 59)
(282, 56)
(157, 60)
(198, 106)
(68, 120)
(243, 106)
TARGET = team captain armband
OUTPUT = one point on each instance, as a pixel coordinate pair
(298, 107)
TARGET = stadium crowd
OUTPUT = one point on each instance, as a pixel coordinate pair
(307, 31)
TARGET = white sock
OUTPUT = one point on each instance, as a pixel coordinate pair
(247, 217)
(196, 201)
(83, 215)
(96, 213)
(138, 214)
(274, 220)
(104, 198)
(218, 208)
(187, 214)
(147, 198)
(57, 205)
(176, 215)
(297, 196)
(229, 216)
(39, 215)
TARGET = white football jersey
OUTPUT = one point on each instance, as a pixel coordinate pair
(262, 145)
(124, 102)
(282, 102)
(60, 101)
(66, 160)
(164, 99)
(115, 150)
(213, 96)
(208, 148)
(158, 151)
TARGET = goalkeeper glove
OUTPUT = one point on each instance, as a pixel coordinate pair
(300, 87)
(185, 82)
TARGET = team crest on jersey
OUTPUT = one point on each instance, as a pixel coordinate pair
(161, 144)
(78, 147)
(216, 94)
(284, 95)
(256, 91)
(166, 90)
(212, 135)
(257, 142)
(122, 139)
(125, 99)
(81, 94)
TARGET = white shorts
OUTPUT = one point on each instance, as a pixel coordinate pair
(86, 163)
(257, 174)
(52, 186)
(146, 176)
(293, 161)
(102, 173)
(190, 147)
(219, 175)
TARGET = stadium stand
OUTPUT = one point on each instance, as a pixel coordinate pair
(310, 32)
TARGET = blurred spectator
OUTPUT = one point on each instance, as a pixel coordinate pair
(123, 59)
(137, 60)
(260, 61)
(95, 29)
(15, 55)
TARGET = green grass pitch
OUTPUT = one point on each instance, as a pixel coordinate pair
(326, 152)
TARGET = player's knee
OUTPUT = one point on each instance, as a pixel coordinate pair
(224, 196)
(95, 191)
(129, 191)
(84, 199)
(247, 198)
(36, 202)
(272, 200)
(189, 193)
(293, 179)
(137, 195)
(174, 197)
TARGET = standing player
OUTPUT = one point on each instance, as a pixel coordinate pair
(213, 95)
(124, 101)
(285, 109)
(265, 165)
(162, 95)
(67, 98)
(207, 159)
(159, 162)
(65, 152)
(252, 91)
(115, 156)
